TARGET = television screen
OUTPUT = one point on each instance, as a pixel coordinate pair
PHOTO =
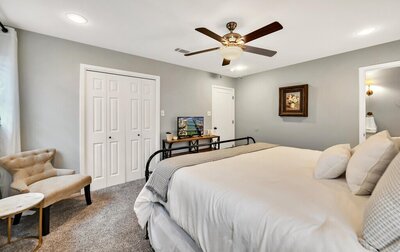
(190, 126)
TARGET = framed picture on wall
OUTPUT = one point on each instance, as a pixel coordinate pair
(293, 101)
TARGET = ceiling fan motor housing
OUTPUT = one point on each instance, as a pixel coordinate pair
(231, 26)
(232, 39)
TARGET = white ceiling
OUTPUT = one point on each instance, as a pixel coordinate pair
(154, 28)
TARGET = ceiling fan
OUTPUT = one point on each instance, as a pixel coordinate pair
(233, 44)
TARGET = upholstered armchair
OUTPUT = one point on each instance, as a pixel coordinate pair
(32, 171)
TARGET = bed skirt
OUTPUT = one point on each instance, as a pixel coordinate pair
(166, 235)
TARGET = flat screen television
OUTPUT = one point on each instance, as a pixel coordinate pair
(189, 126)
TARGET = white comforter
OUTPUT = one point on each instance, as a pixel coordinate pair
(262, 201)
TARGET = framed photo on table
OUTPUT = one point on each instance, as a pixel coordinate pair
(293, 101)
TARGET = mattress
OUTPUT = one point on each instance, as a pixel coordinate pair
(262, 201)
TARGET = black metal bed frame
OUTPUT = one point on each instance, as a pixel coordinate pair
(3, 28)
(148, 172)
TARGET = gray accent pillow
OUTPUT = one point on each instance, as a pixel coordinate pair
(381, 229)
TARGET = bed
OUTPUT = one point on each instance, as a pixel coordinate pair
(266, 200)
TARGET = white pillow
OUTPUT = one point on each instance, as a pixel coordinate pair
(354, 149)
(333, 162)
(369, 162)
(396, 140)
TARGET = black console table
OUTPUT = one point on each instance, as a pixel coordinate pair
(193, 145)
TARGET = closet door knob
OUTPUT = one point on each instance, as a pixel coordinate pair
(138, 134)
(109, 137)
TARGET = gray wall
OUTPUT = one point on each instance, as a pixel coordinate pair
(333, 99)
(49, 90)
(385, 102)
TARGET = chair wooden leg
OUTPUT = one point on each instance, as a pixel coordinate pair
(17, 219)
(46, 221)
(87, 195)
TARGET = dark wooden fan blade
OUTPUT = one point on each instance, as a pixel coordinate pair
(261, 51)
(209, 33)
(272, 27)
(225, 62)
(202, 51)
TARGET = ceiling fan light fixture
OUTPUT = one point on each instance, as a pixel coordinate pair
(231, 52)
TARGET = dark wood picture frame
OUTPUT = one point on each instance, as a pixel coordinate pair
(300, 96)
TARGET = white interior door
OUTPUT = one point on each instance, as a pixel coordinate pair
(96, 128)
(223, 113)
(116, 106)
(134, 158)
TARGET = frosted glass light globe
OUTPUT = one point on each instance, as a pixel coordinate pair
(231, 52)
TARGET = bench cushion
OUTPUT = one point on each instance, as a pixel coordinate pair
(59, 188)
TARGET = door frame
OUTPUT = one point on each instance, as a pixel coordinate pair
(234, 104)
(362, 99)
(82, 101)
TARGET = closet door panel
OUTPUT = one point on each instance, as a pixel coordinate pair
(96, 129)
(134, 130)
(148, 119)
(116, 88)
(98, 161)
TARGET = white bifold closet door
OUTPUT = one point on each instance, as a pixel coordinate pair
(120, 127)
(140, 125)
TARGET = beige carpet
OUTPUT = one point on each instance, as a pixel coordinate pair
(109, 224)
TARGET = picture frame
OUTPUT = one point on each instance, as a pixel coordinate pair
(293, 101)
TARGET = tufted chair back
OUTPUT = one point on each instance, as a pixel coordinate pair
(29, 167)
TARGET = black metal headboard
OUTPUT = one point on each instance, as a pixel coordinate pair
(148, 172)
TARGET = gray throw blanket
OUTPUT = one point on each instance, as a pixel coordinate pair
(159, 180)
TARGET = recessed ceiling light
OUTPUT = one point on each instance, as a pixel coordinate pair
(76, 18)
(238, 68)
(366, 31)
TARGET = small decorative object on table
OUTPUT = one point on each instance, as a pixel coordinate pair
(169, 136)
(293, 101)
(11, 206)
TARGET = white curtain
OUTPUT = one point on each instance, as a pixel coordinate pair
(10, 139)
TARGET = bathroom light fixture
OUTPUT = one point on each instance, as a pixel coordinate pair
(76, 18)
(369, 91)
